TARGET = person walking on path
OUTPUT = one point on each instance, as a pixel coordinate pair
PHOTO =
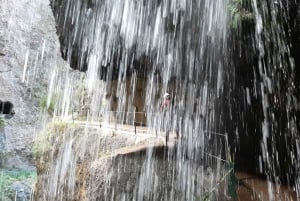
(165, 108)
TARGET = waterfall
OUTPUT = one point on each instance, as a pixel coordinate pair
(133, 53)
(275, 84)
(224, 84)
(265, 113)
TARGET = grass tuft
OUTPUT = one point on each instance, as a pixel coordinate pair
(45, 107)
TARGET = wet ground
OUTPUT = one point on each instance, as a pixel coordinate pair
(254, 188)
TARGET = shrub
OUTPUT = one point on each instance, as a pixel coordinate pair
(2, 122)
(46, 138)
(43, 142)
(43, 104)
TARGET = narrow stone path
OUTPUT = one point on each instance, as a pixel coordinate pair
(249, 188)
(140, 131)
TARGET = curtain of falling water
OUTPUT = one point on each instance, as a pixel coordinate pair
(170, 46)
(275, 86)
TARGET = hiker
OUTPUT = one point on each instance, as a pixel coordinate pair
(166, 102)
(165, 108)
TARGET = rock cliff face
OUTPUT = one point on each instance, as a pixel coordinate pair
(77, 52)
(29, 50)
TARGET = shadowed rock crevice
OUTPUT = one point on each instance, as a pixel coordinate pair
(7, 109)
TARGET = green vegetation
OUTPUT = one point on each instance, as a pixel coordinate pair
(56, 128)
(8, 177)
(43, 104)
(2, 122)
(40, 146)
(82, 100)
(206, 197)
(240, 11)
(230, 175)
(45, 139)
(232, 182)
(48, 143)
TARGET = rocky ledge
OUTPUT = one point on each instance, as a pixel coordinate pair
(90, 163)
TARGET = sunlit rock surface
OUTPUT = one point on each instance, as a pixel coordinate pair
(29, 50)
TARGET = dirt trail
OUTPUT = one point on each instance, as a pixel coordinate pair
(253, 188)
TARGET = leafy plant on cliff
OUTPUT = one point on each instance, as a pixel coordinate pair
(44, 140)
(45, 107)
(47, 139)
(240, 11)
(1, 122)
(82, 100)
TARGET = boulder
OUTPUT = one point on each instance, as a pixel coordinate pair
(21, 191)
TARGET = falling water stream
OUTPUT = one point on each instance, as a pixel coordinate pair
(135, 51)
(132, 52)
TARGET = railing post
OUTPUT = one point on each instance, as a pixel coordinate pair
(109, 117)
(134, 123)
(231, 189)
(116, 121)
(73, 116)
